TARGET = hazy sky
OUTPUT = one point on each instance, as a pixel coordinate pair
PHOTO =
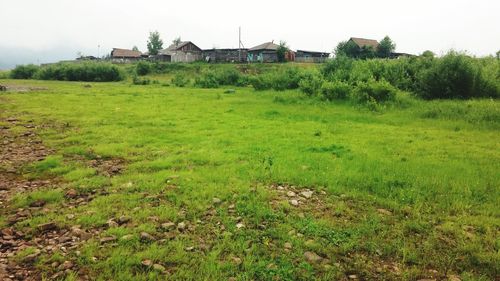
(48, 30)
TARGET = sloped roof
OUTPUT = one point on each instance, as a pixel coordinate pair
(313, 52)
(361, 42)
(266, 46)
(176, 47)
(124, 53)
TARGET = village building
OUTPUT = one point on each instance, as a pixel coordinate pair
(124, 55)
(267, 52)
(364, 43)
(185, 51)
(310, 56)
(225, 55)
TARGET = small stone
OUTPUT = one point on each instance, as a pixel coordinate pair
(236, 260)
(158, 267)
(67, 265)
(147, 263)
(38, 203)
(306, 194)
(72, 193)
(294, 202)
(454, 278)
(123, 219)
(216, 201)
(112, 223)
(70, 216)
(291, 194)
(353, 276)
(147, 237)
(239, 225)
(384, 212)
(287, 245)
(46, 227)
(312, 257)
(189, 249)
(168, 226)
(181, 226)
(108, 239)
(127, 237)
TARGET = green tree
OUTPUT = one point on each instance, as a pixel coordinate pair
(498, 55)
(347, 49)
(386, 47)
(428, 54)
(177, 41)
(154, 43)
(282, 49)
(135, 48)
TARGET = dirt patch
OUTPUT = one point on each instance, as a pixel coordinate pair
(21, 89)
(107, 167)
(20, 249)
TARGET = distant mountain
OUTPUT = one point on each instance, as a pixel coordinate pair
(12, 56)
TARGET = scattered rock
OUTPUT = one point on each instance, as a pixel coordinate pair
(291, 194)
(236, 260)
(158, 267)
(312, 257)
(287, 245)
(71, 193)
(384, 212)
(454, 278)
(181, 226)
(216, 201)
(168, 226)
(108, 239)
(38, 203)
(127, 237)
(147, 237)
(67, 265)
(112, 223)
(353, 276)
(124, 219)
(307, 194)
(46, 226)
(294, 202)
(189, 249)
(147, 263)
(239, 225)
(32, 257)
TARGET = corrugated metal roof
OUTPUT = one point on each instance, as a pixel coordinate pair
(361, 42)
(266, 46)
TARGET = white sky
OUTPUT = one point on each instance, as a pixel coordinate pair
(44, 30)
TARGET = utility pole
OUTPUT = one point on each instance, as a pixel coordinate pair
(98, 50)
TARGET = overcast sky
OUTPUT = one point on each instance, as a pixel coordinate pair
(40, 31)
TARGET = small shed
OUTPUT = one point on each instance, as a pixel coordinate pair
(311, 56)
(225, 55)
(185, 51)
(125, 55)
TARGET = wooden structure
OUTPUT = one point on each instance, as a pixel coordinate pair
(363, 43)
(124, 55)
(225, 55)
(311, 56)
(267, 52)
(185, 51)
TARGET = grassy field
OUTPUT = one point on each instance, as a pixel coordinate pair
(196, 184)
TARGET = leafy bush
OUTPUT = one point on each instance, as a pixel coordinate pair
(140, 81)
(374, 92)
(24, 71)
(88, 72)
(207, 80)
(180, 80)
(335, 90)
(458, 76)
(310, 84)
(279, 80)
(143, 68)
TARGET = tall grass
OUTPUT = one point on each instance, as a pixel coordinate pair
(87, 71)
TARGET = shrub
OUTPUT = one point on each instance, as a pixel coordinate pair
(310, 84)
(335, 90)
(374, 92)
(140, 81)
(24, 71)
(88, 72)
(180, 80)
(143, 68)
(207, 80)
(457, 76)
(279, 80)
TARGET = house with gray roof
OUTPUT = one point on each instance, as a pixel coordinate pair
(185, 51)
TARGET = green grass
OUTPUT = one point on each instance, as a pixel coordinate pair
(434, 165)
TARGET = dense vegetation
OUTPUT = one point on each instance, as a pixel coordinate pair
(84, 71)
